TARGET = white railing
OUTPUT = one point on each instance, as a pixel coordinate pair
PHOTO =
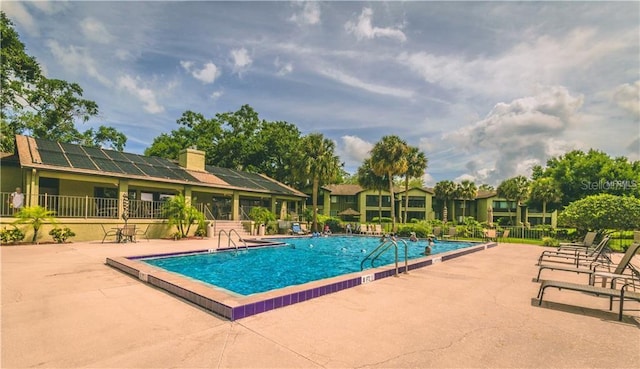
(79, 206)
(88, 207)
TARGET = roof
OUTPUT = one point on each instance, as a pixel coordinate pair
(354, 189)
(344, 189)
(71, 158)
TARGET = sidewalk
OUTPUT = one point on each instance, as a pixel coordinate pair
(63, 307)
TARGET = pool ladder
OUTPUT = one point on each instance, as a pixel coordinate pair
(385, 244)
(229, 240)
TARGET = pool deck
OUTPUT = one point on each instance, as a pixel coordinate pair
(63, 307)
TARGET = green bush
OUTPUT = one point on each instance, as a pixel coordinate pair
(422, 230)
(11, 235)
(550, 241)
(60, 235)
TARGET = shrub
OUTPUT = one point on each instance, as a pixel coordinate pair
(182, 214)
(261, 215)
(11, 235)
(35, 216)
(60, 235)
(550, 241)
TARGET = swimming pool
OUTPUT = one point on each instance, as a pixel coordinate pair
(298, 261)
(232, 305)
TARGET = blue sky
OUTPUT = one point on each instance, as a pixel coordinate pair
(485, 89)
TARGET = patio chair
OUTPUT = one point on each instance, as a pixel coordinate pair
(140, 232)
(489, 235)
(296, 229)
(109, 232)
(587, 242)
(128, 233)
(504, 235)
(611, 292)
(451, 234)
(592, 268)
(576, 256)
(437, 231)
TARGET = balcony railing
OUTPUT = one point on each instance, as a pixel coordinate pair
(88, 207)
(142, 209)
(79, 206)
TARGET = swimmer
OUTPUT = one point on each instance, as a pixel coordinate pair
(427, 250)
(413, 237)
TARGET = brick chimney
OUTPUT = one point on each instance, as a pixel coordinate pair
(191, 159)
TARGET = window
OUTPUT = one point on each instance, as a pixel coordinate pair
(417, 202)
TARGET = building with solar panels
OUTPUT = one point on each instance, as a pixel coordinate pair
(85, 187)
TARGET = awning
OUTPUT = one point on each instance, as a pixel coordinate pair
(349, 211)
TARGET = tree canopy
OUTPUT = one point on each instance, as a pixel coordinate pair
(581, 174)
(318, 163)
(389, 158)
(602, 212)
(238, 140)
(43, 107)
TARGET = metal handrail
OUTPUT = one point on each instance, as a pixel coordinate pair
(230, 241)
(391, 243)
(380, 249)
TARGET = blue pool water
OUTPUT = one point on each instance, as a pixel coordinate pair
(299, 261)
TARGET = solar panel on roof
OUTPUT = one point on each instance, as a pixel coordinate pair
(150, 170)
(129, 168)
(107, 165)
(94, 152)
(81, 161)
(53, 158)
(72, 149)
(138, 159)
(116, 155)
(47, 145)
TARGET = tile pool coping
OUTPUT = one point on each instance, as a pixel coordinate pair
(234, 306)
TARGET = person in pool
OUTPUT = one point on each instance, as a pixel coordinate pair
(413, 237)
(427, 249)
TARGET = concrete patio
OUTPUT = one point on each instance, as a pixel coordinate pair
(62, 307)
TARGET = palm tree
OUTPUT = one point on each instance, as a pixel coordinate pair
(389, 158)
(445, 191)
(371, 181)
(35, 216)
(547, 191)
(416, 165)
(466, 190)
(514, 189)
(319, 164)
(182, 214)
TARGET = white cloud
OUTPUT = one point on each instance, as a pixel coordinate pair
(77, 60)
(216, 95)
(19, 13)
(519, 134)
(355, 82)
(241, 59)
(309, 14)
(94, 30)
(627, 96)
(428, 180)
(353, 151)
(539, 60)
(207, 74)
(283, 68)
(146, 95)
(363, 29)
